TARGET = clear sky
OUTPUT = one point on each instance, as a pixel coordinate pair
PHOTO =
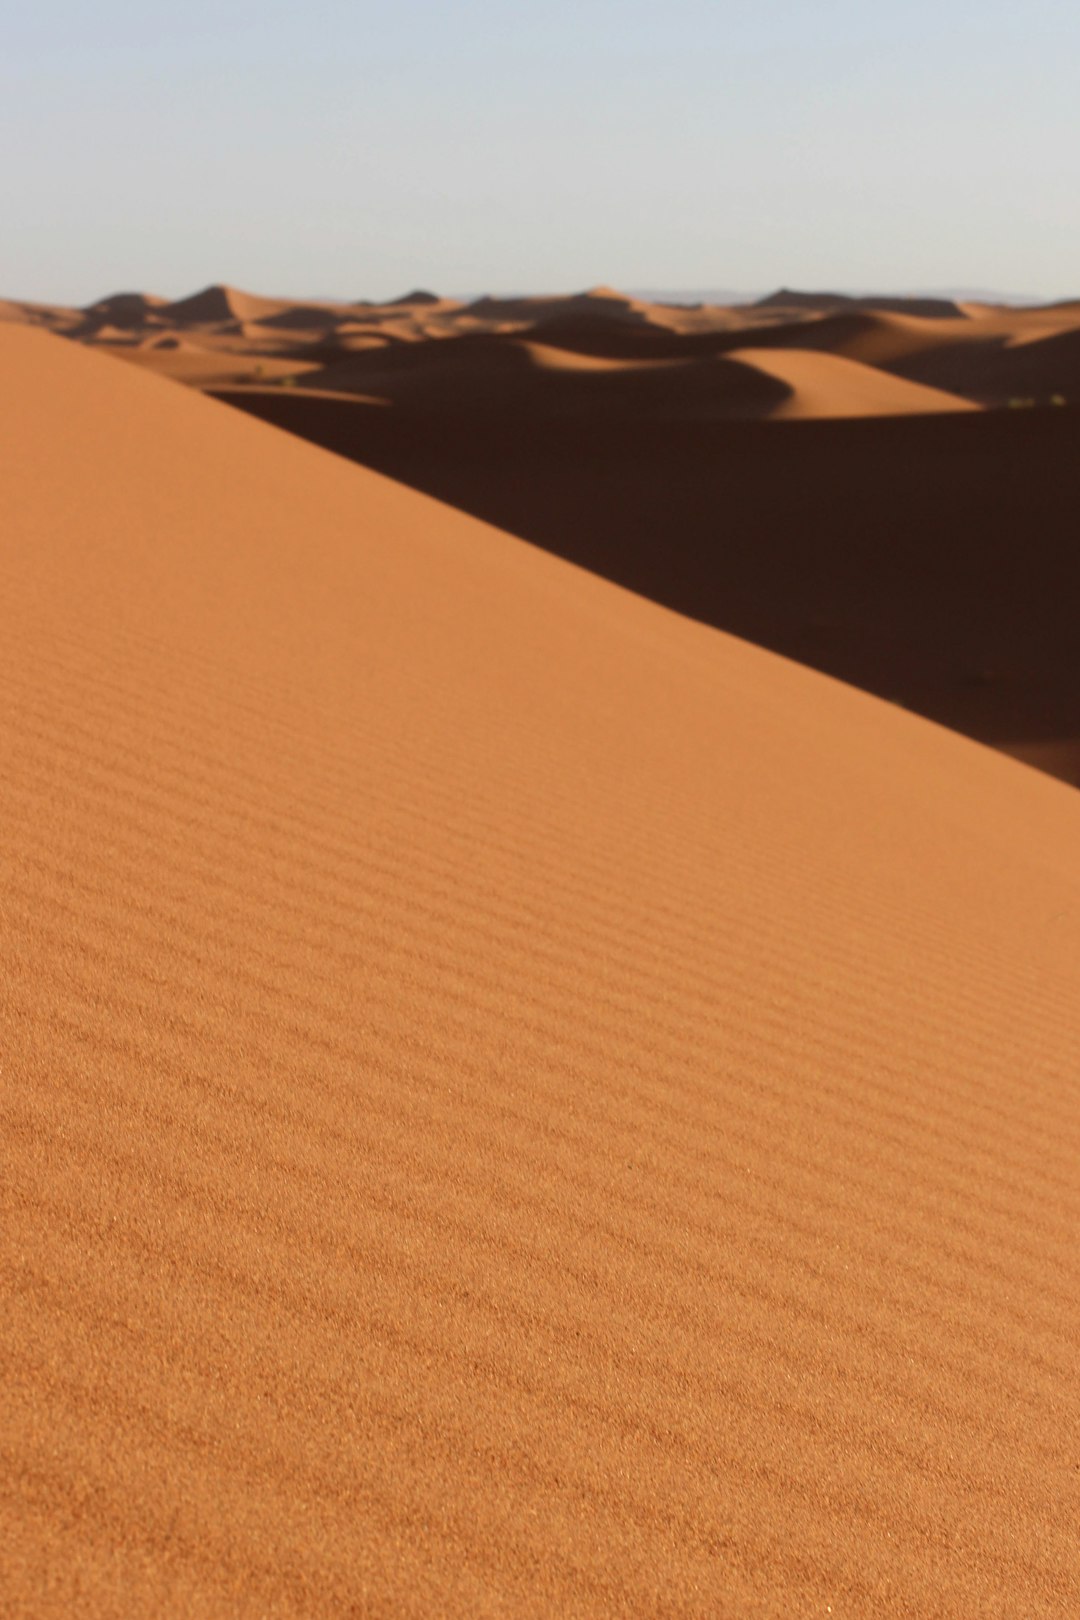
(358, 148)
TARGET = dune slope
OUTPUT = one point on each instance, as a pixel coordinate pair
(498, 375)
(929, 559)
(514, 1102)
(828, 385)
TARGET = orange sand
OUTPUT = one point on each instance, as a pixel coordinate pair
(514, 1102)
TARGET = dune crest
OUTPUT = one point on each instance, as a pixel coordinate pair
(926, 556)
(826, 303)
(828, 385)
(419, 297)
(219, 303)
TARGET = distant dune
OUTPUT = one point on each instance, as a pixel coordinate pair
(491, 375)
(823, 303)
(419, 296)
(125, 310)
(215, 304)
(989, 355)
(515, 1102)
(827, 385)
(984, 354)
(996, 358)
(506, 373)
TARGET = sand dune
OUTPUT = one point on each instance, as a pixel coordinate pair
(986, 355)
(420, 298)
(824, 303)
(589, 334)
(220, 303)
(52, 316)
(202, 367)
(487, 374)
(128, 309)
(1010, 363)
(829, 385)
(515, 1102)
(602, 301)
(501, 373)
(299, 318)
(244, 337)
(1000, 357)
(931, 560)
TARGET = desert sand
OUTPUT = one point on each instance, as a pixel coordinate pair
(515, 1102)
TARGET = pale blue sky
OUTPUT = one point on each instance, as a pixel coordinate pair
(358, 149)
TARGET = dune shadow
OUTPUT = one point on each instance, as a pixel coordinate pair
(930, 560)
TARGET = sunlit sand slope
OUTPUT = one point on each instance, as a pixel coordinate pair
(829, 385)
(514, 1102)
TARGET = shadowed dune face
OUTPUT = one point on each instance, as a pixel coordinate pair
(789, 301)
(1002, 358)
(134, 310)
(218, 304)
(514, 1102)
(489, 375)
(931, 560)
(1009, 366)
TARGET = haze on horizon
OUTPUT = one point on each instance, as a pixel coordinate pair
(356, 150)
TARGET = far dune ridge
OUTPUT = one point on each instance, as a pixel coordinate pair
(514, 1102)
(982, 354)
(829, 385)
(236, 337)
(484, 373)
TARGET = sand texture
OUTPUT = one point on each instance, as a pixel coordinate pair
(514, 1102)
